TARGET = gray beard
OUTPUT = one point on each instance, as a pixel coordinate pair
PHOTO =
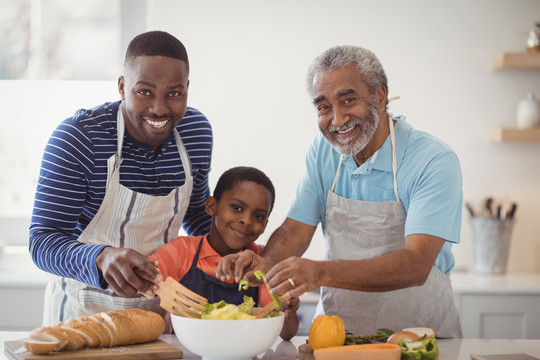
(350, 148)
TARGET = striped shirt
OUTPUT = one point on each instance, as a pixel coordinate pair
(73, 176)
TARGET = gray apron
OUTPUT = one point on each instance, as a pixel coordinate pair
(125, 219)
(357, 230)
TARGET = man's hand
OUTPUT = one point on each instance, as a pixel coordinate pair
(294, 276)
(127, 271)
(241, 266)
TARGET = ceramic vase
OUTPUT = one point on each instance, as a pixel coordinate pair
(528, 112)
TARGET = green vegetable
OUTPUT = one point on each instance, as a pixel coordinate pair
(212, 307)
(384, 332)
(380, 337)
(262, 276)
(423, 349)
(243, 284)
(223, 311)
(247, 305)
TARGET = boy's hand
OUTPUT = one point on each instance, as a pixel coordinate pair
(290, 306)
(241, 266)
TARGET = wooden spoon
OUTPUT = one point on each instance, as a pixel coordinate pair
(179, 300)
(268, 308)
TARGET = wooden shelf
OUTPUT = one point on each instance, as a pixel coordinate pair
(518, 135)
(517, 61)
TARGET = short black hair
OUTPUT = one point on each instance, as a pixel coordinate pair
(156, 43)
(236, 175)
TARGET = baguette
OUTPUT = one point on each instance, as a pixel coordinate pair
(51, 334)
(111, 328)
(38, 347)
(76, 340)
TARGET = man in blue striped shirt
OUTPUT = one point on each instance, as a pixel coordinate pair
(117, 182)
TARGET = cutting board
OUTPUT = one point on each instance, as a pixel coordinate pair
(157, 349)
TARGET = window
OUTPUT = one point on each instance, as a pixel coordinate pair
(60, 39)
(56, 56)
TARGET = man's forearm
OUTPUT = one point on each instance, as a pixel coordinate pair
(292, 238)
(397, 270)
(384, 273)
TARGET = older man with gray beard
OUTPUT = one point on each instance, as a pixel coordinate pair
(389, 199)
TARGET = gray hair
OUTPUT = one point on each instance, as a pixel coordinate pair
(340, 56)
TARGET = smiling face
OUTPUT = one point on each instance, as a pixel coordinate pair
(239, 217)
(348, 114)
(154, 92)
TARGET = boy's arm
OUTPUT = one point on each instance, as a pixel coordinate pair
(289, 307)
(291, 322)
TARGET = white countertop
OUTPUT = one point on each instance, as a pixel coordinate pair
(471, 283)
(456, 349)
(519, 283)
(18, 271)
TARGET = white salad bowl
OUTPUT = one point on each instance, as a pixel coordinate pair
(227, 339)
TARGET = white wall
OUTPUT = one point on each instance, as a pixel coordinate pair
(248, 61)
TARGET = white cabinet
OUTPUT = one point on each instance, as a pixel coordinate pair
(498, 316)
(490, 306)
(21, 309)
(306, 311)
(22, 288)
(498, 306)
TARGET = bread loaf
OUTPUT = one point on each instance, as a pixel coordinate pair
(38, 347)
(111, 328)
(51, 334)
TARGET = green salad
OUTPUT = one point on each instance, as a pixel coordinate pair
(223, 311)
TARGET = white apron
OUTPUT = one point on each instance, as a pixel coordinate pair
(358, 230)
(125, 219)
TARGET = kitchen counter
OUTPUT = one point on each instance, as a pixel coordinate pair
(472, 283)
(18, 271)
(503, 306)
(455, 349)
(490, 306)
(519, 283)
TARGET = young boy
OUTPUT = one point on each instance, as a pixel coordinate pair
(240, 207)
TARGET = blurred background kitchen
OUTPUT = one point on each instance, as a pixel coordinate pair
(248, 62)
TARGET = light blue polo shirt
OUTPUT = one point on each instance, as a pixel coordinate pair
(428, 177)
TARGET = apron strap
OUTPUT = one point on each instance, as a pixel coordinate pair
(393, 140)
(120, 128)
(114, 161)
(337, 173)
(394, 157)
(183, 154)
(196, 256)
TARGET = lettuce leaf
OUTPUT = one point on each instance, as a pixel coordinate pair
(223, 311)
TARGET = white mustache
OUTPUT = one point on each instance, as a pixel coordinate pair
(349, 124)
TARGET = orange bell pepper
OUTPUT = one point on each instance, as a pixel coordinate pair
(326, 331)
